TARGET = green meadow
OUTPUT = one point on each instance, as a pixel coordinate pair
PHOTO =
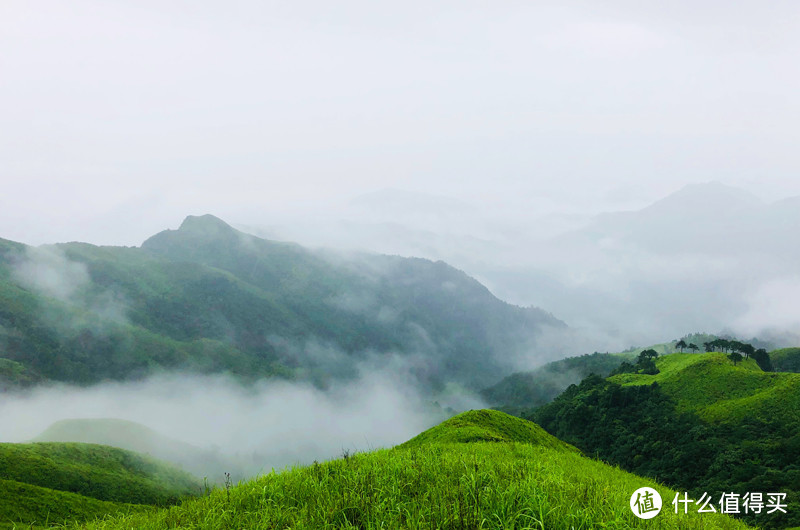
(478, 470)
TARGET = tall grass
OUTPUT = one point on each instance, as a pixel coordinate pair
(483, 485)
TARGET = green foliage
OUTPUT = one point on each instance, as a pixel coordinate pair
(762, 358)
(97, 471)
(27, 506)
(701, 424)
(523, 390)
(786, 360)
(207, 298)
(433, 485)
(15, 375)
(645, 364)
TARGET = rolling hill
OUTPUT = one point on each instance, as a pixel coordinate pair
(513, 475)
(46, 483)
(138, 438)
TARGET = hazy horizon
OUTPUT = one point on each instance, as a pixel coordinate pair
(121, 119)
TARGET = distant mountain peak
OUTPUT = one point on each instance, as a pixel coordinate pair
(205, 223)
(706, 195)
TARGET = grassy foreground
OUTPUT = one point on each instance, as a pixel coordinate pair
(527, 482)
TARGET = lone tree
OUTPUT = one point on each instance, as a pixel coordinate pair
(646, 361)
(681, 344)
(735, 356)
(762, 359)
(694, 347)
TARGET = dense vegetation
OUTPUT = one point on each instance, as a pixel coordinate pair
(523, 390)
(521, 479)
(702, 424)
(53, 482)
(786, 360)
(207, 298)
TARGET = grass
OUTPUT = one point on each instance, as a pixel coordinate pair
(28, 506)
(517, 480)
(487, 426)
(710, 385)
(96, 471)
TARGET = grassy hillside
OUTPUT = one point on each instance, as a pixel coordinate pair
(207, 298)
(101, 472)
(717, 390)
(27, 506)
(136, 437)
(433, 481)
(487, 426)
(700, 424)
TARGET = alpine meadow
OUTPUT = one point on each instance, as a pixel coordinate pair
(385, 266)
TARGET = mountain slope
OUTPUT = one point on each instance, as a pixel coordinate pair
(522, 390)
(701, 424)
(435, 483)
(717, 390)
(97, 471)
(28, 506)
(209, 464)
(208, 298)
(50, 483)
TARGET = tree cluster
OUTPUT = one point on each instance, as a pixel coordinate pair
(645, 364)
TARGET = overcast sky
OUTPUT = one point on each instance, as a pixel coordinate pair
(119, 118)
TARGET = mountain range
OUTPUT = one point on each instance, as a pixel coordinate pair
(208, 298)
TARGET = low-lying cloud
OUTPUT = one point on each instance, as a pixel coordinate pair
(274, 422)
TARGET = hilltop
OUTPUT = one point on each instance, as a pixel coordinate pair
(522, 478)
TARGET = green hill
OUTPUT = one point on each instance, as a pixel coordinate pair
(487, 426)
(523, 390)
(786, 360)
(27, 506)
(717, 390)
(207, 298)
(97, 471)
(138, 438)
(46, 483)
(519, 479)
(701, 424)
